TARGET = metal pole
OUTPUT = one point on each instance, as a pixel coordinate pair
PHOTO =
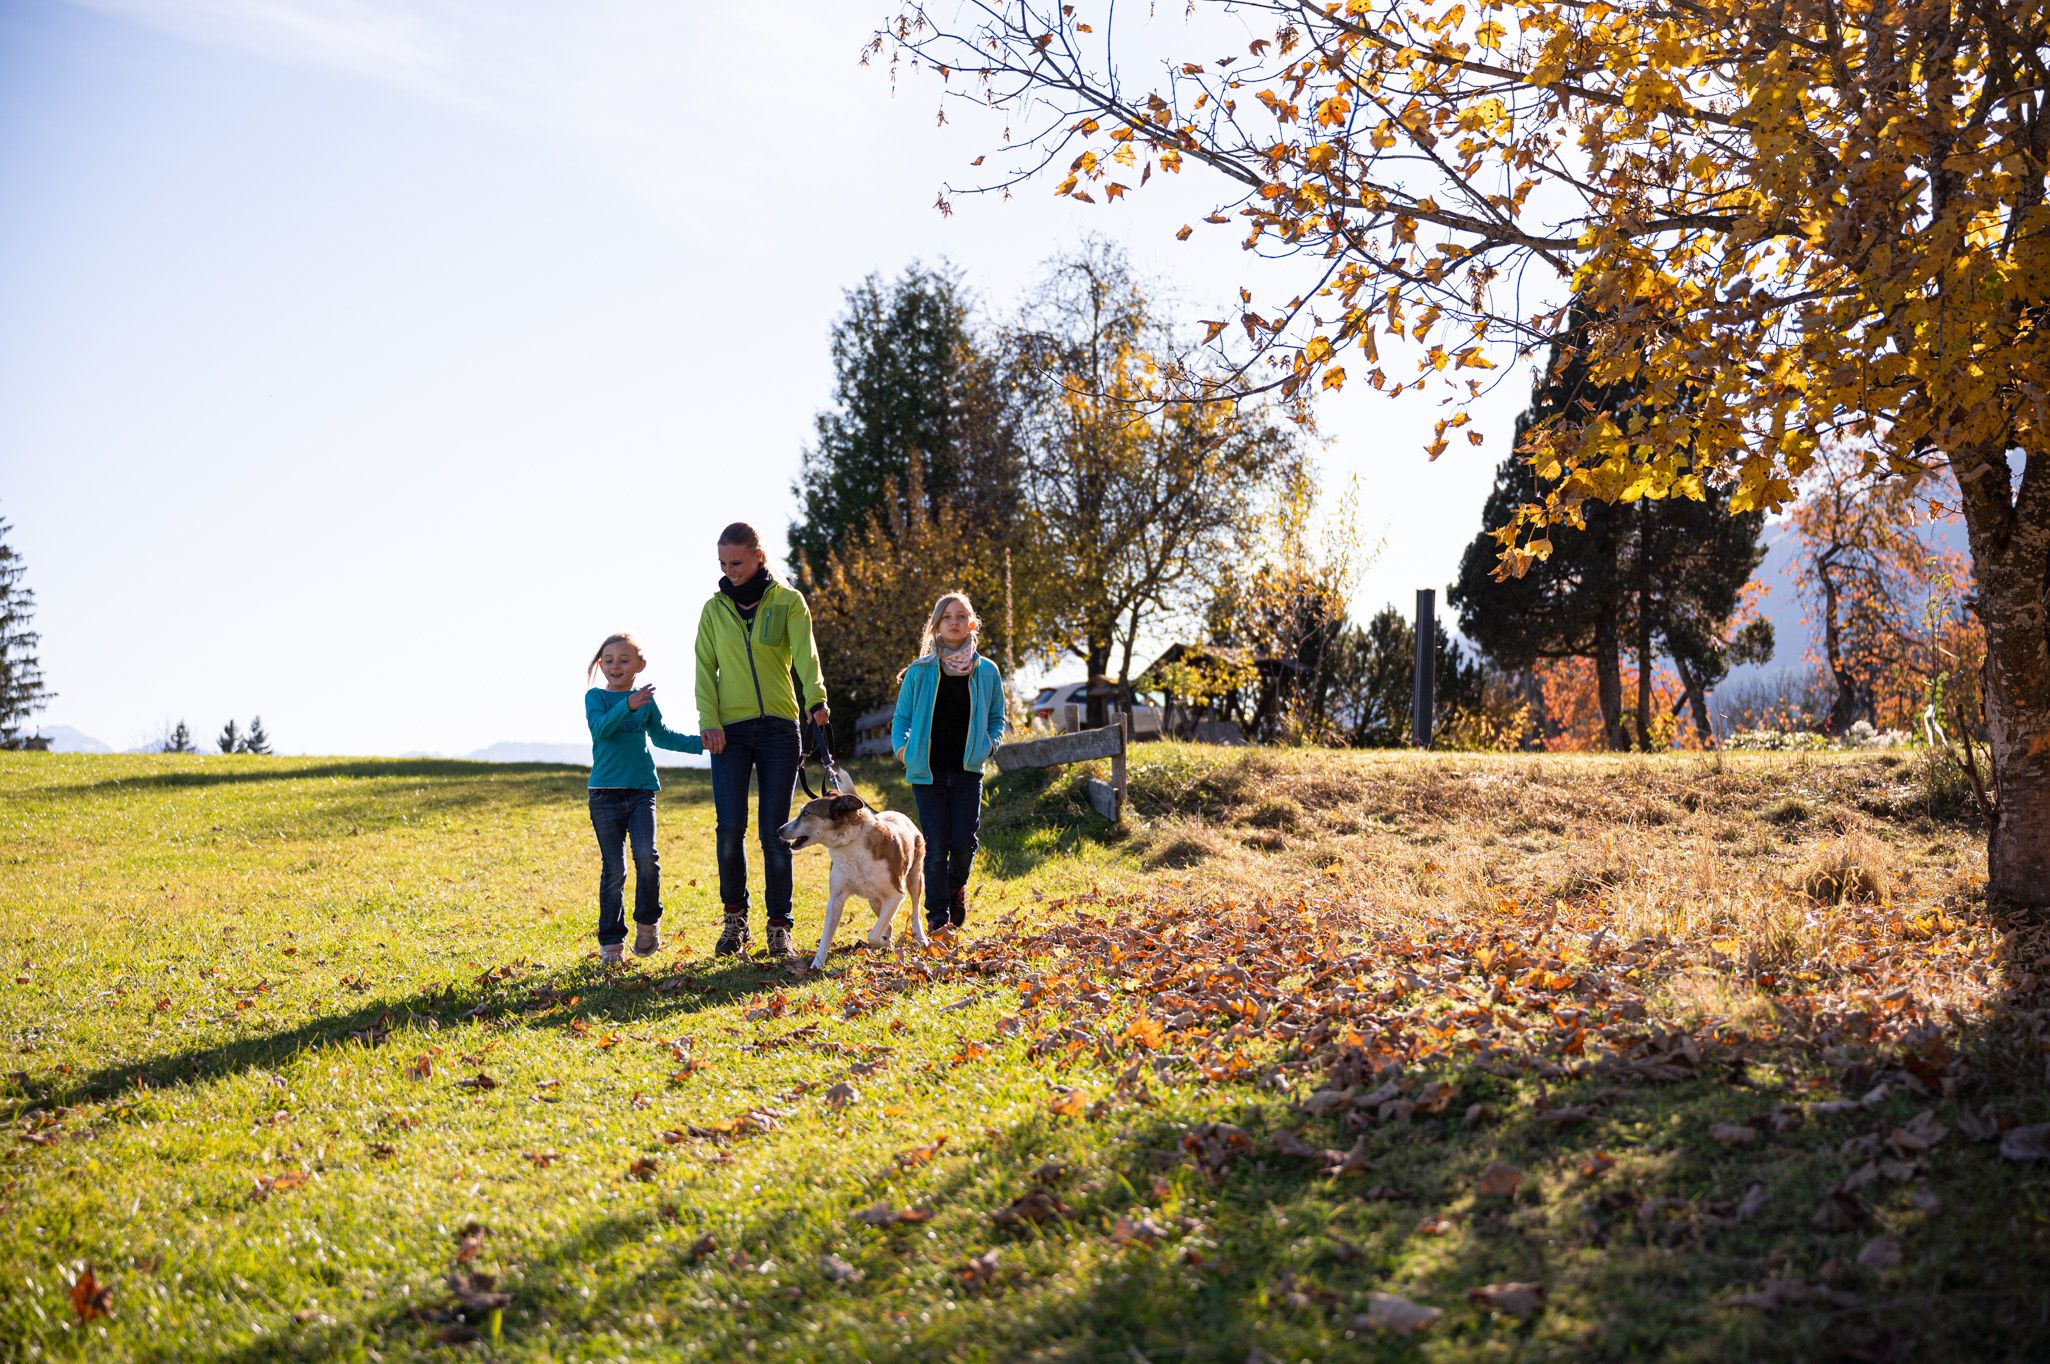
(1424, 700)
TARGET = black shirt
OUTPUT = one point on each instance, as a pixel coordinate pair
(950, 707)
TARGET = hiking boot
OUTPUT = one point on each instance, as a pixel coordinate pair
(957, 912)
(609, 953)
(779, 942)
(735, 938)
(647, 938)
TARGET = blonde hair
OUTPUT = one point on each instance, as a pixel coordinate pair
(622, 637)
(928, 642)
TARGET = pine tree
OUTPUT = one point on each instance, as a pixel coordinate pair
(22, 692)
(910, 380)
(180, 740)
(256, 741)
(230, 738)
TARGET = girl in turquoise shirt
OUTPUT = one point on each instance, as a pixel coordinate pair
(623, 785)
(950, 718)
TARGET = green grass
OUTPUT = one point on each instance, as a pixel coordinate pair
(226, 971)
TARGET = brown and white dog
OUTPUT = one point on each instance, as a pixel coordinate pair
(878, 855)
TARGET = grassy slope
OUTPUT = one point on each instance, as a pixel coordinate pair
(226, 971)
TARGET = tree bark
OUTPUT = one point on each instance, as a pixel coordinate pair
(2010, 539)
(1608, 672)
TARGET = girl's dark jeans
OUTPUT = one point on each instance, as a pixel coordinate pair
(949, 813)
(766, 749)
(622, 816)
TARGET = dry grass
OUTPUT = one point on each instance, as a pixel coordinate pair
(1791, 862)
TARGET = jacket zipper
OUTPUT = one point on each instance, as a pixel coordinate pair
(747, 637)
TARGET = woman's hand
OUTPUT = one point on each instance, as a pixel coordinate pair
(715, 740)
(820, 715)
(636, 699)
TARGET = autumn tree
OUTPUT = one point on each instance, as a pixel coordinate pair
(873, 593)
(910, 374)
(1885, 595)
(22, 692)
(1793, 221)
(1138, 505)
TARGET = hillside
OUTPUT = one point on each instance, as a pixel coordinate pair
(1327, 1056)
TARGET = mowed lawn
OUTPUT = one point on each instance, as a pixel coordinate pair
(1329, 1056)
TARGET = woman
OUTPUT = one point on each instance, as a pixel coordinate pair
(751, 634)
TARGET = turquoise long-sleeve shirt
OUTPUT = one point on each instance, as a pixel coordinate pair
(620, 736)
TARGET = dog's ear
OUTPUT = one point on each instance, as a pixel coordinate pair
(843, 783)
(846, 804)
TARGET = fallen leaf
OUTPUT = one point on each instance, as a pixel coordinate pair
(1499, 1181)
(1387, 1312)
(1839, 1211)
(1434, 1226)
(1880, 1253)
(2026, 1143)
(1597, 1165)
(1069, 1103)
(884, 1215)
(841, 1095)
(979, 1271)
(919, 1155)
(1518, 1300)
(1033, 1207)
(1140, 1231)
(643, 1168)
(541, 1160)
(90, 1298)
(838, 1270)
(480, 1081)
(1733, 1133)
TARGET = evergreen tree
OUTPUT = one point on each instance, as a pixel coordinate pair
(22, 692)
(1666, 569)
(256, 741)
(179, 740)
(909, 378)
(230, 738)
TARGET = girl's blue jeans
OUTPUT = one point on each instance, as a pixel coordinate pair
(621, 817)
(764, 748)
(949, 815)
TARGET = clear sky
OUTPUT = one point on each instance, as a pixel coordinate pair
(364, 362)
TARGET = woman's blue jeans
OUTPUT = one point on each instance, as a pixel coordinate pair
(949, 815)
(764, 748)
(621, 816)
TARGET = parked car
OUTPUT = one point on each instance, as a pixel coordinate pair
(1065, 705)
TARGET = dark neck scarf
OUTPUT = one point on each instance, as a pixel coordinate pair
(748, 595)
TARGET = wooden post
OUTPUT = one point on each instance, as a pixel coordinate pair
(1117, 766)
(1424, 701)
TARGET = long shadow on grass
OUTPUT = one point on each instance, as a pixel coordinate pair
(585, 994)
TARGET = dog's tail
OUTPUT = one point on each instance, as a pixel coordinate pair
(914, 881)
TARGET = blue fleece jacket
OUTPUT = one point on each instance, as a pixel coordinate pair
(620, 737)
(911, 727)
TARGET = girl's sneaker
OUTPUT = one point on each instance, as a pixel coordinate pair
(957, 912)
(779, 942)
(609, 953)
(647, 937)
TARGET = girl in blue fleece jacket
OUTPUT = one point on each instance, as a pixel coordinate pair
(950, 718)
(623, 785)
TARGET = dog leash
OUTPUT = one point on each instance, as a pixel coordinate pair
(829, 768)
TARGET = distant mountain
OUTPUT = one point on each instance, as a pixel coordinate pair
(65, 739)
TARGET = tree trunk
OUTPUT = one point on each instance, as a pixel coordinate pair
(1697, 701)
(1608, 672)
(2010, 538)
(1643, 627)
(1096, 714)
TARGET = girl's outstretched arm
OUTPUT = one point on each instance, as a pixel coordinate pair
(662, 736)
(605, 715)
